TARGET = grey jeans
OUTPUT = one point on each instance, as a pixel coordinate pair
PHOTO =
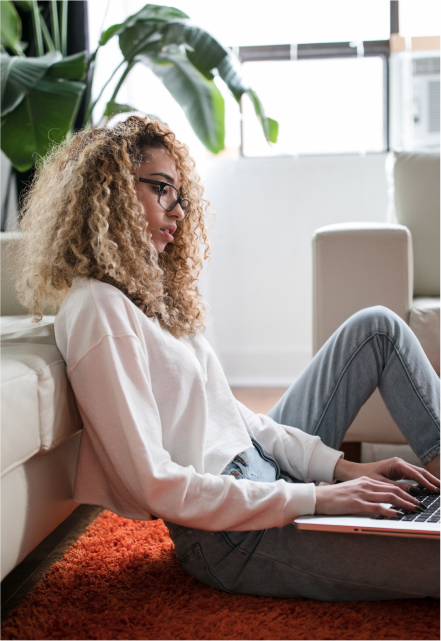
(373, 348)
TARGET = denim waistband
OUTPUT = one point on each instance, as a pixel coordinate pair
(255, 464)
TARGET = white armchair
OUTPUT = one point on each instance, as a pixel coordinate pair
(40, 426)
(358, 265)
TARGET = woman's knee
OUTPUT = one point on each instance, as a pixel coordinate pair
(377, 318)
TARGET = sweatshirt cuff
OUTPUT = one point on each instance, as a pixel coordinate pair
(302, 501)
(322, 463)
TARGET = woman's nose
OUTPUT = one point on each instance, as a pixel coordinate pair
(177, 212)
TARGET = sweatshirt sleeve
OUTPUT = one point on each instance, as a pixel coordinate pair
(300, 454)
(112, 386)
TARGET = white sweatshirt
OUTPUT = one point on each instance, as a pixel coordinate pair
(161, 423)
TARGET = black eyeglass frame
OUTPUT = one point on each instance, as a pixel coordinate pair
(162, 186)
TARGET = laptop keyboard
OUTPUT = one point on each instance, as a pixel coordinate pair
(431, 513)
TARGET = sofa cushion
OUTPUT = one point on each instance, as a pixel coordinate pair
(417, 202)
(424, 320)
(38, 406)
(20, 439)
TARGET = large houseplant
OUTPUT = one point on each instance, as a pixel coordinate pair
(41, 95)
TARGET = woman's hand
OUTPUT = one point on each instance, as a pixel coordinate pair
(363, 496)
(388, 471)
(366, 485)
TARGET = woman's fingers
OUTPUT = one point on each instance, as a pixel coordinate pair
(431, 481)
(393, 488)
(365, 495)
(420, 475)
(401, 500)
(396, 468)
(379, 510)
(376, 492)
(404, 486)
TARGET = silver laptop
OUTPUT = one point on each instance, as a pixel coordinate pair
(425, 525)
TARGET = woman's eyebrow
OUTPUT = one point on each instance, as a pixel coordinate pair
(169, 178)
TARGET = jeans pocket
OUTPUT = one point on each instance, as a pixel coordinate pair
(194, 563)
(234, 468)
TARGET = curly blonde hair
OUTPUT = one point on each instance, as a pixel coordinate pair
(82, 217)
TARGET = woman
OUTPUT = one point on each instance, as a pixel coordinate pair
(113, 230)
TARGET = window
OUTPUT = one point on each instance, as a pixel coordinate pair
(419, 18)
(324, 105)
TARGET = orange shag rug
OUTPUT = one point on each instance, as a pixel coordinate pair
(121, 581)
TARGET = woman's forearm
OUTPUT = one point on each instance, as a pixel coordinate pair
(346, 470)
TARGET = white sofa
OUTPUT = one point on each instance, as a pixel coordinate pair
(40, 427)
(393, 264)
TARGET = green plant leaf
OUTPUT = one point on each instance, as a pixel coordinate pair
(10, 25)
(45, 116)
(154, 14)
(20, 75)
(113, 108)
(109, 33)
(230, 71)
(270, 127)
(15, 92)
(204, 51)
(141, 38)
(273, 126)
(200, 99)
(25, 5)
(70, 68)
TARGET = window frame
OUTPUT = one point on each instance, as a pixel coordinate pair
(320, 50)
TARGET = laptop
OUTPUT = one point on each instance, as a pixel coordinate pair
(423, 526)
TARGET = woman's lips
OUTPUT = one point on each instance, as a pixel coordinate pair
(168, 233)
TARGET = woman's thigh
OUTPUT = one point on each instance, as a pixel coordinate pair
(374, 347)
(286, 562)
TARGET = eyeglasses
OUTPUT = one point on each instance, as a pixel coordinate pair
(168, 196)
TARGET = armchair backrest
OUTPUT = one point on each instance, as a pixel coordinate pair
(417, 206)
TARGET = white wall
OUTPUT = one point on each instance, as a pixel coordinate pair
(259, 282)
